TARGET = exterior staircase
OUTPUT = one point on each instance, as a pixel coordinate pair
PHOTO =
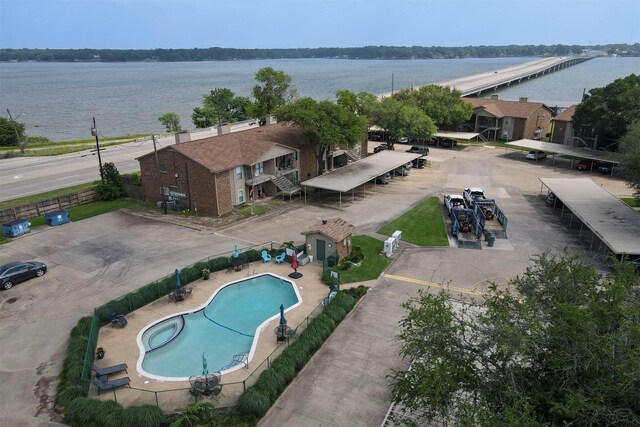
(352, 155)
(284, 185)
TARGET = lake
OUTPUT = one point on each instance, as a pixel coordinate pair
(58, 100)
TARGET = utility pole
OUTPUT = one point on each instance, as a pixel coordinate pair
(13, 123)
(94, 132)
(164, 201)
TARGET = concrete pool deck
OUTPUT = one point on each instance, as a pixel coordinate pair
(120, 344)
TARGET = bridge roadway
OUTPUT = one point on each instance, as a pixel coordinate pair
(490, 81)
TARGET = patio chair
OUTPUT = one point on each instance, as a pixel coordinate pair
(118, 320)
(266, 257)
(103, 372)
(109, 385)
(280, 258)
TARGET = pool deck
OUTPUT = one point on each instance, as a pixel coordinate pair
(121, 347)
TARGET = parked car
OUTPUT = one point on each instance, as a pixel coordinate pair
(552, 200)
(453, 201)
(403, 140)
(382, 179)
(536, 155)
(447, 142)
(404, 169)
(605, 168)
(584, 165)
(374, 136)
(380, 148)
(16, 272)
(418, 150)
(419, 163)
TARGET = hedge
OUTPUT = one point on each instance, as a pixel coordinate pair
(257, 399)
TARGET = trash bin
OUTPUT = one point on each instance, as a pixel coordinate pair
(56, 218)
(16, 228)
(491, 239)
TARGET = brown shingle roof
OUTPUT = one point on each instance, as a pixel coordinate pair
(223, 152)
(502, 108)
(336, 228)
(566, 115)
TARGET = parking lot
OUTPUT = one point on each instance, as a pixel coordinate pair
(95, 260)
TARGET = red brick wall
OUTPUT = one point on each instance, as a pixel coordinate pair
(559, 131)
(308, 164)
(518, 128)
(225, 197)
(536, 120)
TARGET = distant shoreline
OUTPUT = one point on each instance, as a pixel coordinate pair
(350, 53)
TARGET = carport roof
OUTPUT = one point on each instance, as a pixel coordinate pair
(357, 173)
(457, 135)
(615, 223)
(567, 150)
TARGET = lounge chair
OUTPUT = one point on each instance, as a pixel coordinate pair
(108, 385)
(118, 320)
(109, 369)
(280, 258)
(266, 257)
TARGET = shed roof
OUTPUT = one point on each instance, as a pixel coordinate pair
(223, 152)
(336, 228)
(566, 115)
(502, 108)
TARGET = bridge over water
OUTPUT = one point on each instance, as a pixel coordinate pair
(490, 81)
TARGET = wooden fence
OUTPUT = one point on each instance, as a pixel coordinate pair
(32, 210)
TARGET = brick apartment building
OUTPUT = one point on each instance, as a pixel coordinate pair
(216, 174)
(563, 132)
(497, 119)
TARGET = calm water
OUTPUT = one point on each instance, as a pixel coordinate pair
(59, 99)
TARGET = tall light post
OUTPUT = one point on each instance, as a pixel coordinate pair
(13, 123)
(94, 132)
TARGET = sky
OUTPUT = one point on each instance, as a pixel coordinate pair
(149, 24)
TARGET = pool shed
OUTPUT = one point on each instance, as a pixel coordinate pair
(327, 237)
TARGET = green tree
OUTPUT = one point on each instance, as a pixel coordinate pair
(171, 121)
(610, 110)
(630, 157)
(403, 119)
(443, 104)
(11, 132)
(221, 106)
(362, 103)
(274, 89)
(559, 346)
(110, 188)
(325, 124)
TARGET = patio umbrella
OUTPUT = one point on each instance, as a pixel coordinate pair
(236, 254)
(177, 279)
(283, 321)
(205, 371)
(294, 265)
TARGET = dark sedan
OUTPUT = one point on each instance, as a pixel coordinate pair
(16, 272)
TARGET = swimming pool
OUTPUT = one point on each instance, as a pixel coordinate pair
(227, 325)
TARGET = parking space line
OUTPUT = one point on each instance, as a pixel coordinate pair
(435, 285)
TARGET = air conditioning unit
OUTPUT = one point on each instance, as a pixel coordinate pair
(505, 136)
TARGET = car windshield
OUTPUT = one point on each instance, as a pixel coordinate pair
(3, 270)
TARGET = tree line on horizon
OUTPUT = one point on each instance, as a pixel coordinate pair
(366, 52)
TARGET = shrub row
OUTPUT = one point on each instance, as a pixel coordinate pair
(70, 387)
(84, 412)
(257, 399)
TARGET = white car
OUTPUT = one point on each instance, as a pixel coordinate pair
(536, 155)
(453, 201)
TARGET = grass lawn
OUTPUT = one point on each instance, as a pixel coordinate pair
(422, 225)
(44, 196)
(371, 266)
(631, 201)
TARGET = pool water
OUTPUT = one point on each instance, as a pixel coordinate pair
(227, 325)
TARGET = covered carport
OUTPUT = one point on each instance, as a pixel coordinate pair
(353, 175)
(465, 136)
(616, 224)
(568, 150)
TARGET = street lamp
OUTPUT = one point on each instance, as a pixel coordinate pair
(13, 123)
(94, 132)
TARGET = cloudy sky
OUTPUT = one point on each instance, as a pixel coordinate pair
(145, 24)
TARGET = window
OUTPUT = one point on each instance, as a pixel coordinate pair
(162, 167)
(238, 173)
(240, 196)
(506, 121)
(259, 168)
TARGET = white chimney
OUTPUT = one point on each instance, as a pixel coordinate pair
(224, 128)
(183, 136)
(523, 99)
(271, 120)
(494, 96)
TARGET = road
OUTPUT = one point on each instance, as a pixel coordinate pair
(24, 176)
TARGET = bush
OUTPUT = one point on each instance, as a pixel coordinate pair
(37, 139)
(298, 355)
(132, 179)
(253, 403)
(357, 293)
(109, 191)
(142, 416)
(82, 412)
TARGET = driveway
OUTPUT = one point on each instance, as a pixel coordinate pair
(96, 260)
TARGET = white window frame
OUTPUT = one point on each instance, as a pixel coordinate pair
(259, 168)
(238, 173)
(240, 196)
